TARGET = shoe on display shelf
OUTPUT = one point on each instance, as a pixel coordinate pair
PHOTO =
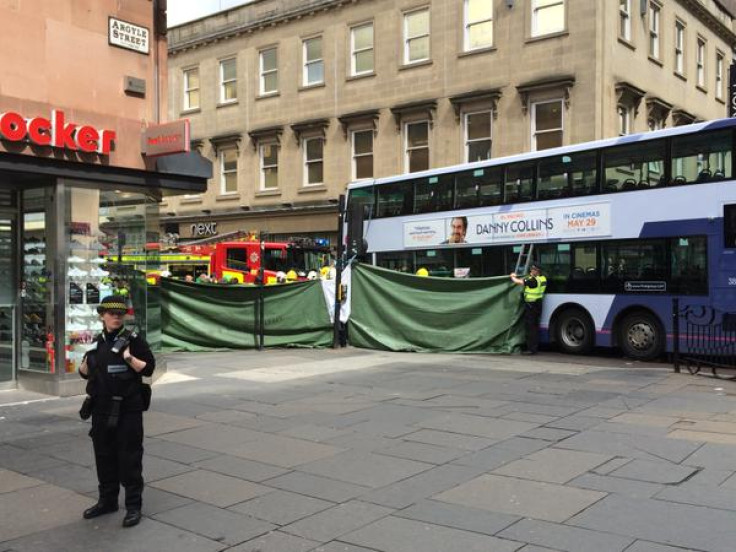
(76, 259)
(98, 272)
(76, 244)
(76, 273)
(99, 260)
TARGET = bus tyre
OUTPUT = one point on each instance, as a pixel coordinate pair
(641, 336)
(575, 333)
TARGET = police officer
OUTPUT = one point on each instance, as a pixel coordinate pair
(115, 385)
(534, 287)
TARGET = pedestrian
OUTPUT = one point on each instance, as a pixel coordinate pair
(534, 287)
(113, 368)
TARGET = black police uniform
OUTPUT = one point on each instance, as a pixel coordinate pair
(117, 418)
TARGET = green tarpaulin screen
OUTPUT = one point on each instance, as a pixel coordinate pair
(401, 312)
(201, 317)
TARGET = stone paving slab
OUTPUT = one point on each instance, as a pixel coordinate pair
(284, 452)
(654, 472)
(477, 426)
(552, 465)
(607, 484)
(316, 486)
(331, 524)
(502, 453)
(410, 490)
(155, 468)
(97, 535)
(723, 497)
(81, 479)
(703, 436)
(404, 535)
(35, 509)
(563, 537)
(241, 468)
(713, 456)
(662, 522)
(367, 469)
(458, 517)
(508, 495)
(422, 452)
(212, 488)
(26, 461)
(156, 501)
(159, 423)
(282, 507)
(175, 451)
(215, 523)
(13, 481)
(337, 546)
(449, 439)
(276, 542)
(643, 546)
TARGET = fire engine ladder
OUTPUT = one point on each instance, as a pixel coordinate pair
(524, 260)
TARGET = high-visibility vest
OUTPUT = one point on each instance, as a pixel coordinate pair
(536, 293)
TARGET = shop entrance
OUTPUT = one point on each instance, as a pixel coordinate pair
(8, 297)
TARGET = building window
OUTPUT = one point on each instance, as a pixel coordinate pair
(477, 136)
(719, 75)
(314, 65)
(417, 146)
(229, 171)
(654, 30)
(313, 161)
(269, 154)
(228, 80)
(624, 29)
(361, 49)
(624, 120)
(546, 124)
(548, 16)
(700, 63)
(416, 36)
(679, 48)
(478, 24)
(269, 71)
(191, 89)
(362, 154)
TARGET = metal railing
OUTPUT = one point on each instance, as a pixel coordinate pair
(704, 337)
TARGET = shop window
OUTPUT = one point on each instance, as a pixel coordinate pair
(548, 16)
(362, 142)
(547, 124)
(228, 80)
(361, 50)
(416, 153)
(416, 36)
(478, 24)
(269, 65)
(314, 64)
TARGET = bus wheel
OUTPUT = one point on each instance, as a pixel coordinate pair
(575, 332)
(641, 336)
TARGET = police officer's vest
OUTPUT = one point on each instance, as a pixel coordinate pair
(536, 293)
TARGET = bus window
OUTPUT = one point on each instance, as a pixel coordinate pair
(519, 184)
(688, 264)
(729, 226)
(637, 166)
(630, 261)
(701, 157)
(555, 259)
(395, 199)
(564, 175)
(402, 261)
(236, 258)
(439, 262)
(364, 196)
(472, 258)
(433, 194)
(479, 188)
(584, 275)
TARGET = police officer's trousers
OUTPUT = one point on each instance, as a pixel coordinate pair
(532, 314)
(119, 457)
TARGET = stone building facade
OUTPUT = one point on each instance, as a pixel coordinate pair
(293, 99)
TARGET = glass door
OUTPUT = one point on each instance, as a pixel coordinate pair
(8, 294)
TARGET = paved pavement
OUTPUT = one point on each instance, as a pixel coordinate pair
(357, 451)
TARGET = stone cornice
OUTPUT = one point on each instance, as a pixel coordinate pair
(710, 20)
(245, 19)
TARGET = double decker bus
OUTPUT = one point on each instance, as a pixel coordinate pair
(620, 226)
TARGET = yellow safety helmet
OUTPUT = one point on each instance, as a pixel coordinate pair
(291, 276)
(324, 272)
(423, 272)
